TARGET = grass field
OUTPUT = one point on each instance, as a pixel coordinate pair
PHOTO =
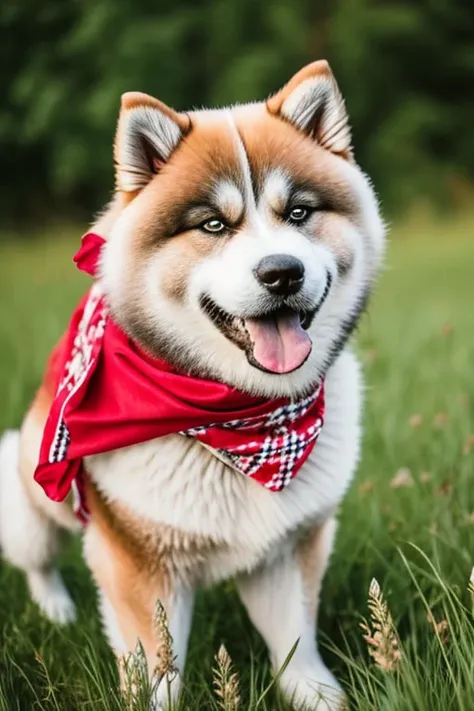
(408, 520)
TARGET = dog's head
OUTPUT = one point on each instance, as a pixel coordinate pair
(245, 241)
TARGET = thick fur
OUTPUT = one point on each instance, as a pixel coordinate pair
(167, 515)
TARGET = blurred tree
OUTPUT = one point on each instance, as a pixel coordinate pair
(406, 68)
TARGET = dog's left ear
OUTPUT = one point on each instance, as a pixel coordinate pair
(147, 134)
(312, 102)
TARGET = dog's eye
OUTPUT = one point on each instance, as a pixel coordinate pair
(214, 226)
(298, 214)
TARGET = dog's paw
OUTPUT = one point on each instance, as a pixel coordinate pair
(50, 594)
(165, 693)
(313, 689)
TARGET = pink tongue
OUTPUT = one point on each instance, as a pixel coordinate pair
(280, 344)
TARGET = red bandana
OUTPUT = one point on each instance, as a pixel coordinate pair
(111, 394)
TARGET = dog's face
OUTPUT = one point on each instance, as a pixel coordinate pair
(247, 240)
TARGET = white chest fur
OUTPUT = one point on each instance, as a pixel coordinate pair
(175, 481)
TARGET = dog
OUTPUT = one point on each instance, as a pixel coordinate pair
(239, 250)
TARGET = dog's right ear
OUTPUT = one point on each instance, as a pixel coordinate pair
(148, 132)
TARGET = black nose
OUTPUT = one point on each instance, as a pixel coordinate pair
(281, 274)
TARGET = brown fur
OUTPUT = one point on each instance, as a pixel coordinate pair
(131, 586)
(180, 257)
(156, 218)
(275, 144)
(156, 549)
(136, 561)
(134, 99)
(132, 591)
(315, 69)
(321, 67)
(180, 185)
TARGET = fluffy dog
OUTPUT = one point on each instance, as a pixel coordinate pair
(240, 249)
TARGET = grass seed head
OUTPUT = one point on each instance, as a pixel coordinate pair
(470, 586)
(165, 661)
(366, 486)
(415, 420)
(381, 635)
(226, 681)
(402, 478)
(134, 674)
(440, 420)
(441, 628)
(468, 444)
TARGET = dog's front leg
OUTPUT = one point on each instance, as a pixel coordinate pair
(282, 601)
(129, 591)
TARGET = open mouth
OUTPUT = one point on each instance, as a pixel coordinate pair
(276, 341)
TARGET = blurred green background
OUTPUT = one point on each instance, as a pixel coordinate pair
(406, 68)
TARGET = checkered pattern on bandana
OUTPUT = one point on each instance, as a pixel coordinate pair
(90, 331)
(111, 394)
(270, 448)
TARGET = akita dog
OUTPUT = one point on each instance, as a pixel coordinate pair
(204, 406)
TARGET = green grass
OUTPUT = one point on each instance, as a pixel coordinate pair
(417, 342)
